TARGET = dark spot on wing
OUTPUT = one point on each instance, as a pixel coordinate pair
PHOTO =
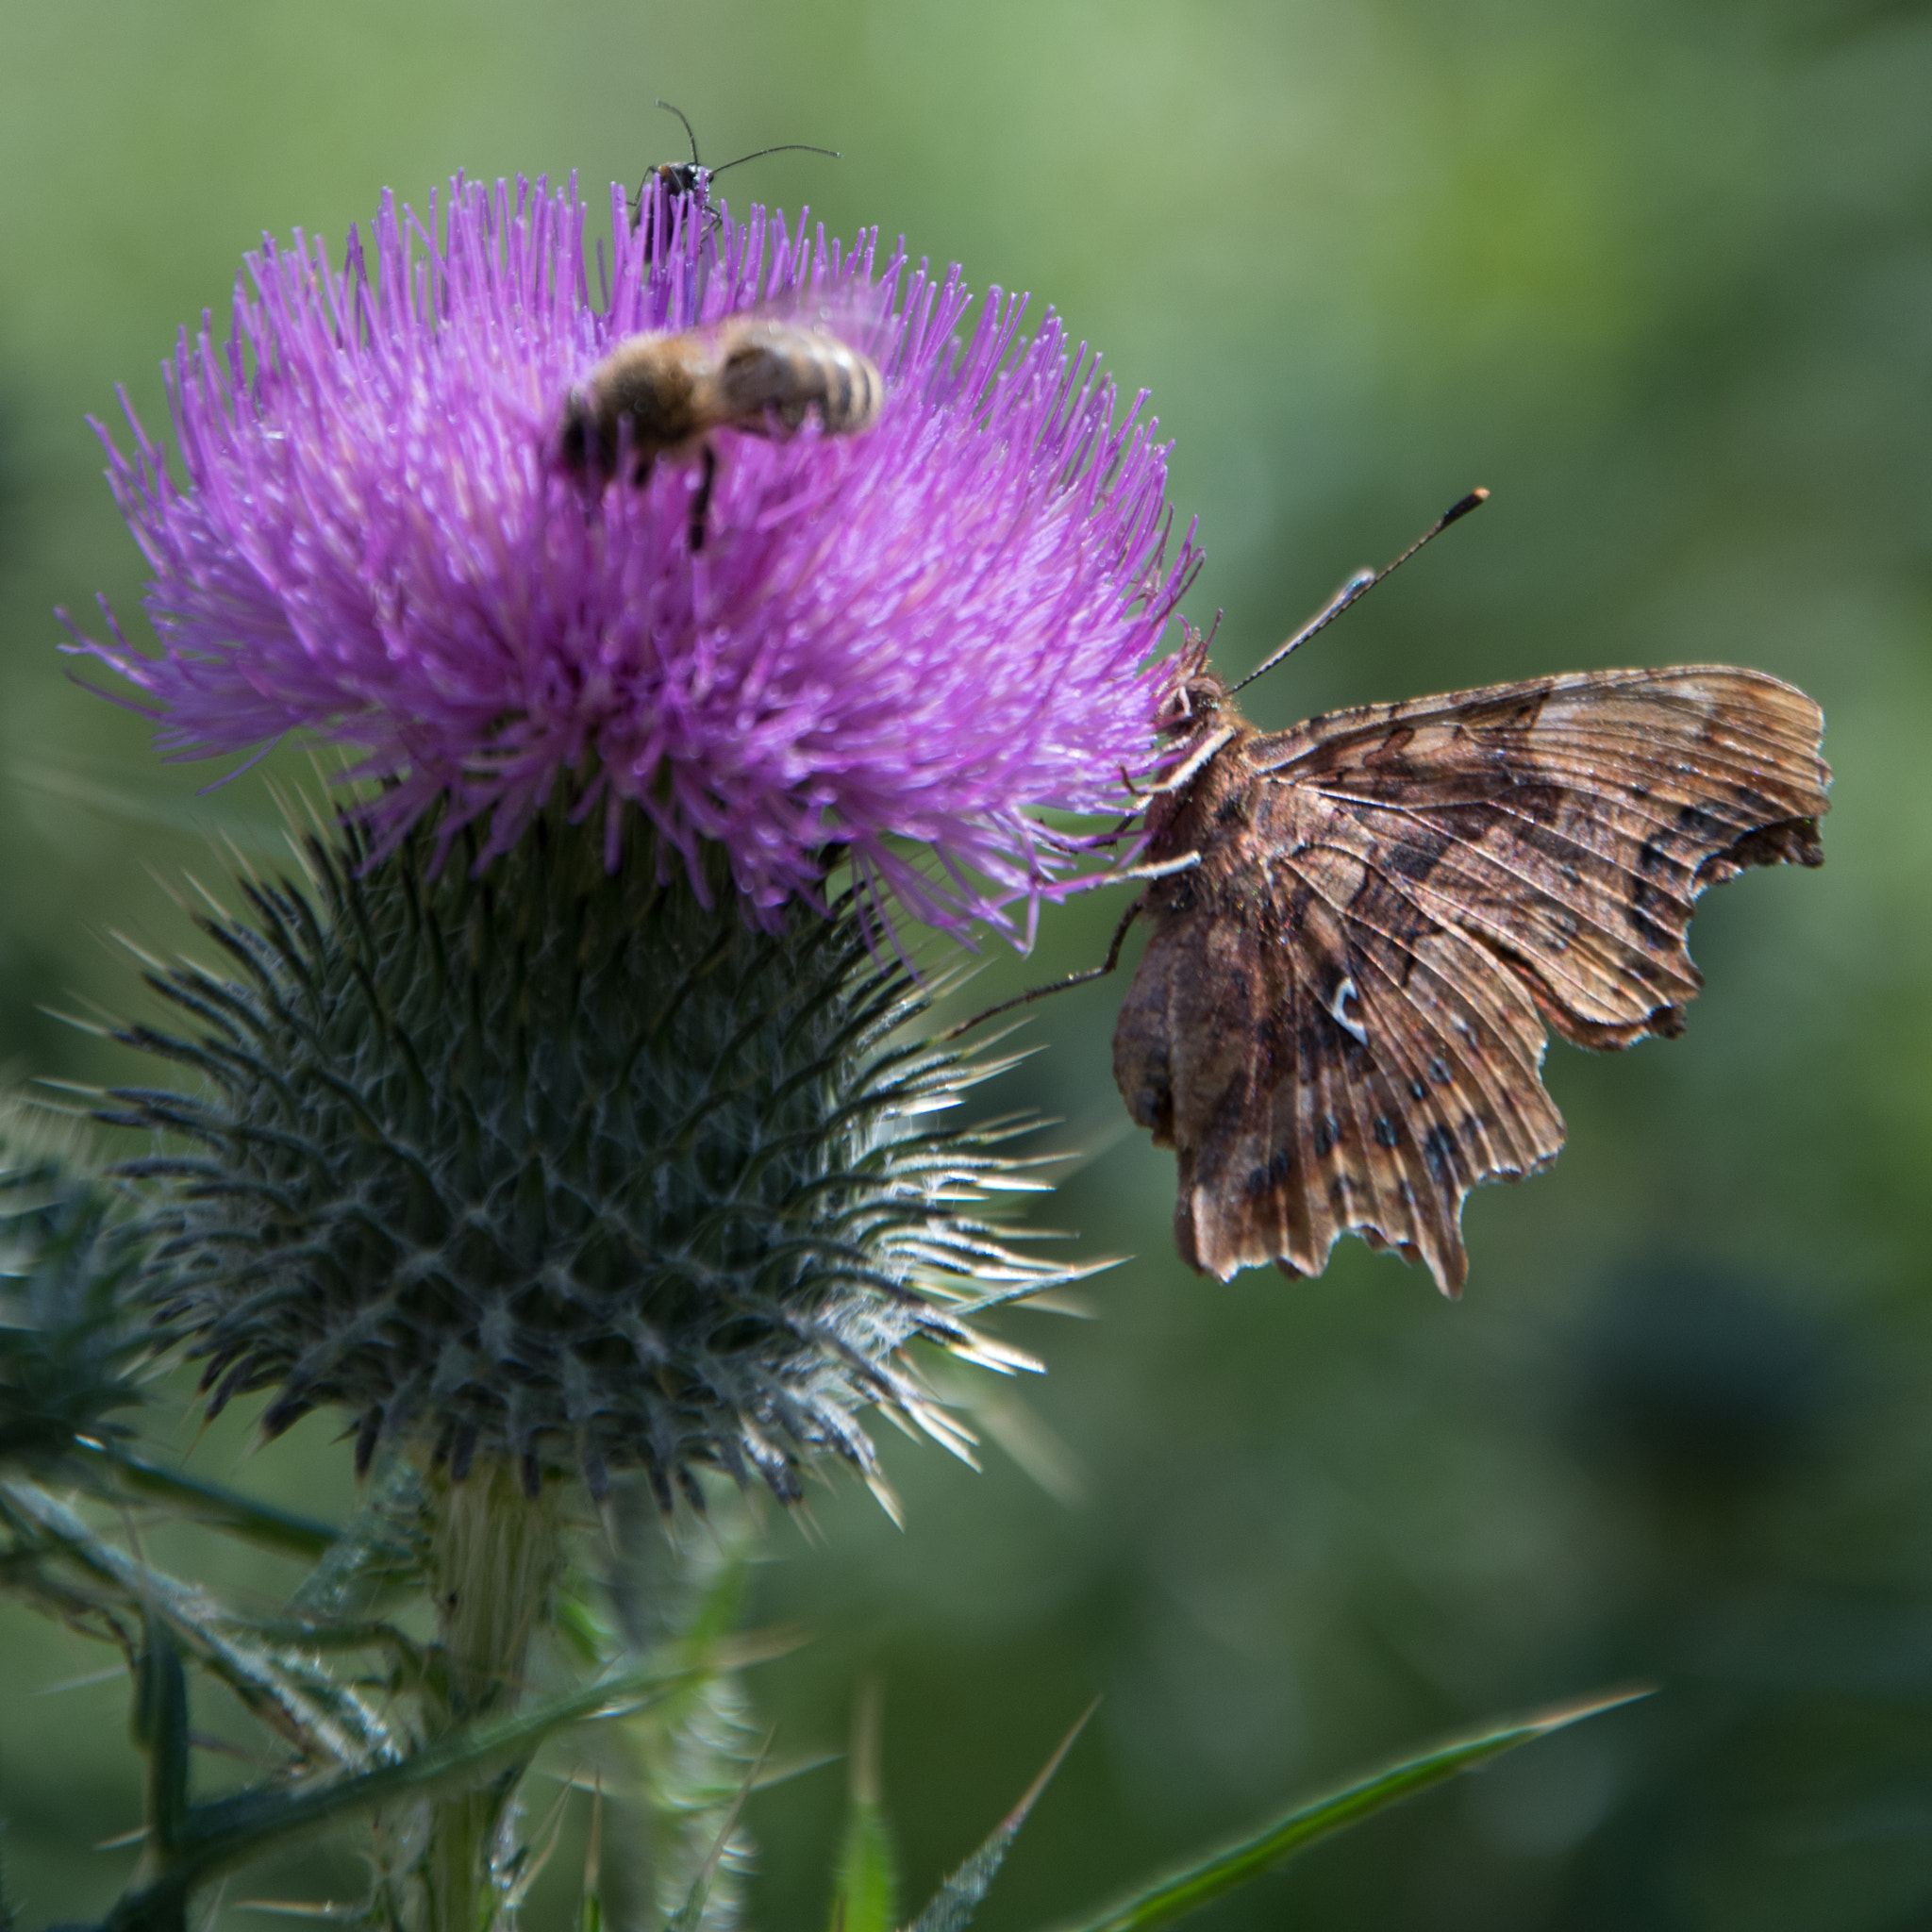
(1536, 800)
(1326, 1133)
(1703, 825)
(1516, 713)
(1390, 752)
(1439, 1150)
(1466, 825)
(1648, 930)
(1417, 857)
(1387, 1133)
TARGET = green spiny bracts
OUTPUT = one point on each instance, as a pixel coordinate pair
(69, 1332)
(558, 1165)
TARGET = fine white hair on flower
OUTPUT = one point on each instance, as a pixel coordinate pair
(895, 647)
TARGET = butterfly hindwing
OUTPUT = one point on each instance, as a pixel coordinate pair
(1339, 1022)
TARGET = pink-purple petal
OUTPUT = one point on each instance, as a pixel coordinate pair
(917, 636)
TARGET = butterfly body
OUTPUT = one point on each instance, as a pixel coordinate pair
(1340, 1015)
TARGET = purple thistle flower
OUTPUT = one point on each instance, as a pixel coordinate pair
(920, 635)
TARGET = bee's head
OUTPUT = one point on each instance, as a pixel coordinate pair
(581, 444)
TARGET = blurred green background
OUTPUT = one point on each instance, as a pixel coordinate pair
(1658, 274)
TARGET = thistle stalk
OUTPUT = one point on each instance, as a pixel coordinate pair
(494, 1557)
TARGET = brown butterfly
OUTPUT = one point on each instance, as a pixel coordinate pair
(1363, 925)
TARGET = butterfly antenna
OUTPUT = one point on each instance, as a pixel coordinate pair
(1362, 583)
(688, 129)
(789, 148)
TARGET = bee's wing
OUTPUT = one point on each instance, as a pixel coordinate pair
(782, 372)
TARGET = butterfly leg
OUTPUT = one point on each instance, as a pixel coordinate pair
(1183, 774)
(1073, 979)
(1164, 870)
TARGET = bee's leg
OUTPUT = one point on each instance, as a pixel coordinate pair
(701, 496)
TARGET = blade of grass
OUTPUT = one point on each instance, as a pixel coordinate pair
(867, 1879)
(1198, 1885)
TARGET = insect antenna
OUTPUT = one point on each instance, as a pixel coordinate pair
(787, 147)
(688, 129)
(1361, 583)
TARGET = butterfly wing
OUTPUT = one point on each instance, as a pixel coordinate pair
(1340, 1021)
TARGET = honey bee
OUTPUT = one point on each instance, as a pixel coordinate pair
(664, 394)
(693, 179)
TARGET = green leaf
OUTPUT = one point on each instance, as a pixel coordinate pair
(380, 1545)
(285, 1688)
(957, 1899)
(114, 1470)
(217, 1837)
(1200, 1884)
(866, 1886)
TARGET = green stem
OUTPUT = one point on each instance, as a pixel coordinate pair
(493, 1564)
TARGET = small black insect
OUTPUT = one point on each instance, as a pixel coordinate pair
(692, 179)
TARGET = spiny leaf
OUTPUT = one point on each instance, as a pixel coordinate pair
(380, 1544)
(1213, 1877)
(219, 1836)
(957, 1899)
(284, 1687)
(214, 1503)
(865, 1891)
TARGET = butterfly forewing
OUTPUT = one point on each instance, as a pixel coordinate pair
(1339, 1020)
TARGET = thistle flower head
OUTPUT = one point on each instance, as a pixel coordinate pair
(558, 1168)
(898, 645)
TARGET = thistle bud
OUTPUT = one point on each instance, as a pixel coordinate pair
(561, 1166)
(69, 1334)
